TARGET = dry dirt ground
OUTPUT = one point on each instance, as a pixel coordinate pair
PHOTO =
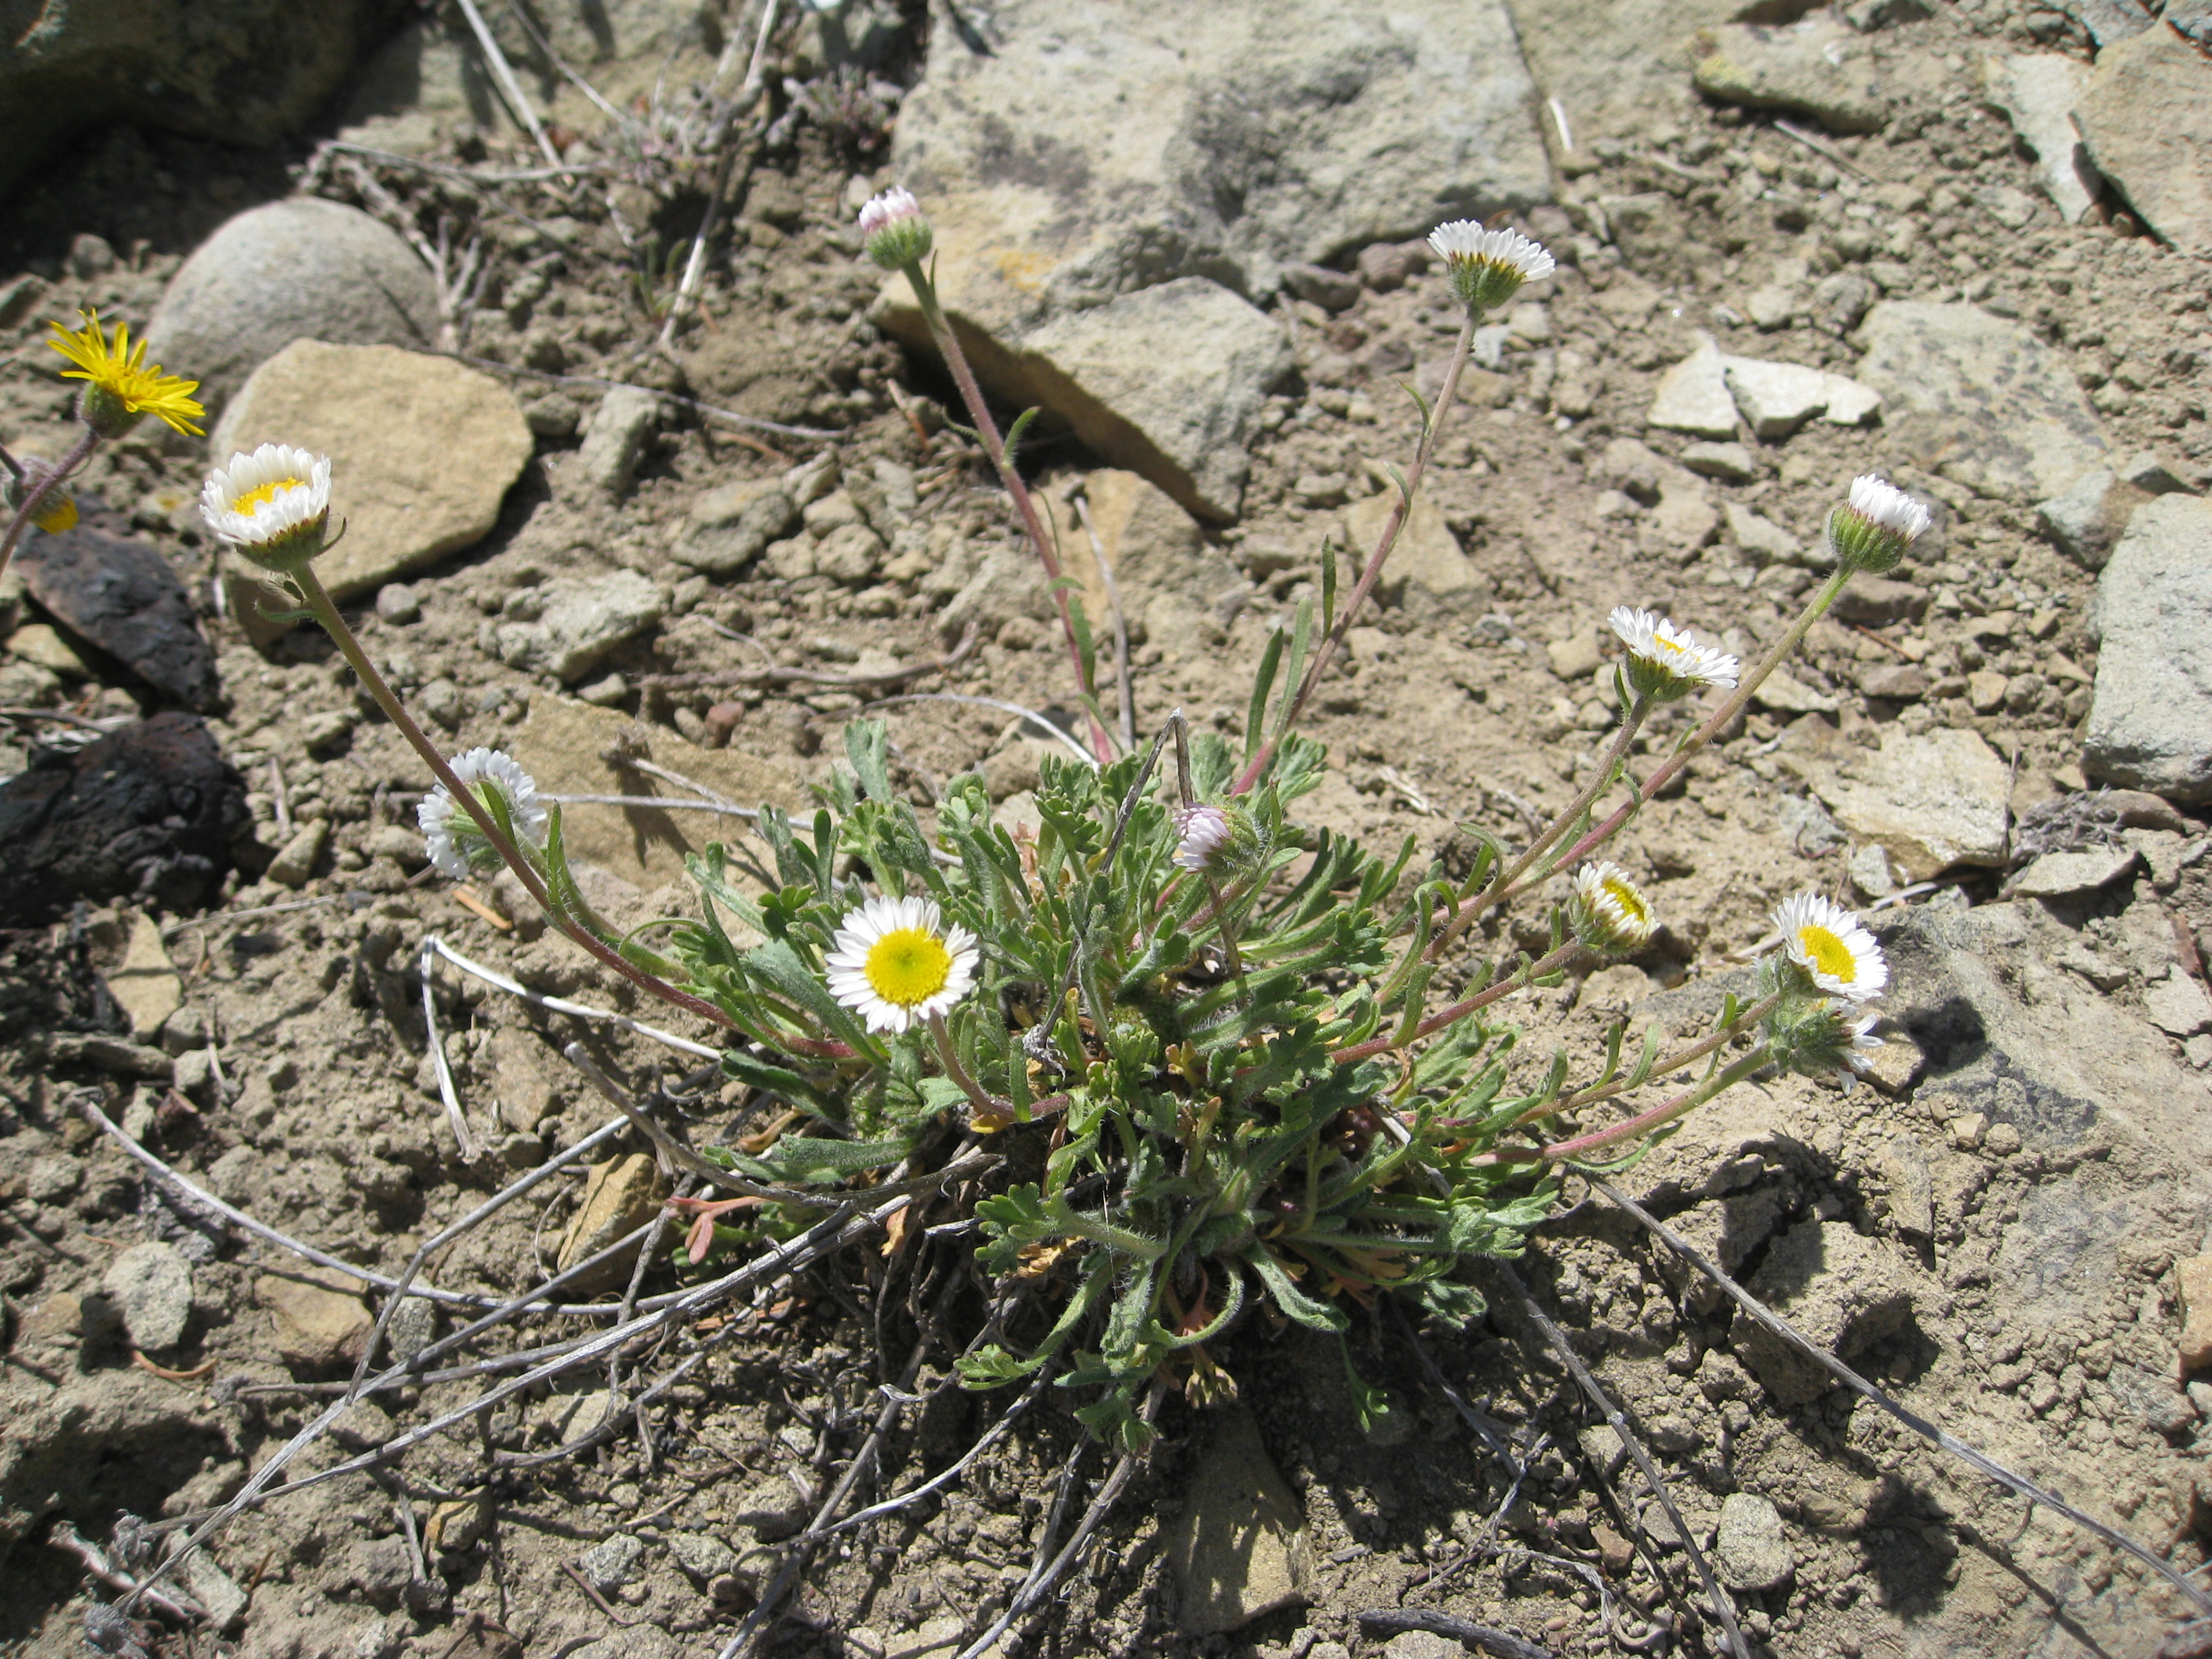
(325, 1121)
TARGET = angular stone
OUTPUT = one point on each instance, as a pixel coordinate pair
(2150, 714)
(1840, 1290)
(1156, 146)
(702, 1555)
(299, 268)
(1731, 462)
(151, 1284)
(623, 421)
(1932, 801)
(42, 645)
(1426, 555)
(2038, 92)
(425, 449)
(1899, 682)
(123, 597)
(1818, 67)
(1615, 67)
(613, 1562)
(320, 1323)
(2192, 1278)
(579, 621)
(144, 982)
(1776, 398)
(521, 1078)
(2087, 518)
(1752, 1551)
(620, 1196)
(295, 860)
(1878, 601)
(1851, 403)
(1156, 552)
(2147, 119)
(1764, 539)
(1905, 1171)
(2177, 1004)
(1575, 658)
(727, 527)
(1980, 398)
(1693, 396)
(2055, 875)
(572, 748)
(1782, 694)
(1239, 1548)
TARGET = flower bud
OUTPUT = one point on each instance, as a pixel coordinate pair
(1607, 912)
(57, 512)
(1814, 1035)
(893, 231)
(1202, 833)
(1872, 531)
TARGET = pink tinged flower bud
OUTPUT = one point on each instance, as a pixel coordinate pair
(893, 231)
(1200, 833)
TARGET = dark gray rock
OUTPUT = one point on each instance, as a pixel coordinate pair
(302, 269)
(123, 598)
(2150, 716)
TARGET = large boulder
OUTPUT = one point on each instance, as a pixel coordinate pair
(302, 269)
(2150, 716)
(1089, 155)
(2146, 117)
(246, 72)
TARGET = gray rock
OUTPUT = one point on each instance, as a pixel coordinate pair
(2038, 92)
(223, 1596)
(295, 860)
(2055, 875)
(1617, 67)
(152, 1284)
(1006, 584)
(1693, 396)
(579, 620)
(302, 269)
(1239, 1548)
(774, 1508)
(1837, 1289)
(613, 1562)
(2192, 17)
(2147, 119)
(1332, 290)
(2150, 714)
(1731, 462)
(1776, 398)
(1292, 132)
(2111, 20)
(623, 421)
(641, 1641)
(700, 1554)
(1980, 398)
(1753, 1553)
(246, 74)
(729, 527)
(2177, 1004)
(2087, 518)
(1764, 539)
(1931, 802)
(1817, 67)
(397, 603)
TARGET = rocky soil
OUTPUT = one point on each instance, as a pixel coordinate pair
(1955, 242)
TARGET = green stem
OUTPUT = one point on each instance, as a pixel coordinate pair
(1443, 1016)
(326, 612)
(1334, 638)
(79, 453)
(971, 394)
(950, 1058)
(1744, 1019)
(1716, 723)
(1659, 1116)
(1606, 772)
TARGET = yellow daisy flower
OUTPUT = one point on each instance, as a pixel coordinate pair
(119, 389)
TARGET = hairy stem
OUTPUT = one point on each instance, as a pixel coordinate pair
(79, 453)
(948, 346)
(1545, 964)
(326, 612)
(1334, 638)
(1744, 1019)
(1657, 1117)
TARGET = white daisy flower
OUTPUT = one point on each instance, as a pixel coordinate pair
(456, 844)
(1487, 267)
(1828, 942)
(273, 505)
(895, 962)
(893, 231)
(1609, 912)
(1199, 832)
(1667, 662)
(1872, 530)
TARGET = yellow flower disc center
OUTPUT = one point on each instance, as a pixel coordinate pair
(1665, 644)
(908, 966)
(268, 492)
(1627, 898)
(1829, 955)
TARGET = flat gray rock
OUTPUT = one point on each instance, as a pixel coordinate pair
(1752, 1550)
(1978, 398)
(2037, 92)
(1931, 802)
(1239, 1548)
(578, 621)
(1093, 153)
(1818, 67)
(2055, 875)
(302, 269)
(623, 421)
(2150, 714)
(2147, 119)
(1615, 67)
(151, 1284)
(1693, 396)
